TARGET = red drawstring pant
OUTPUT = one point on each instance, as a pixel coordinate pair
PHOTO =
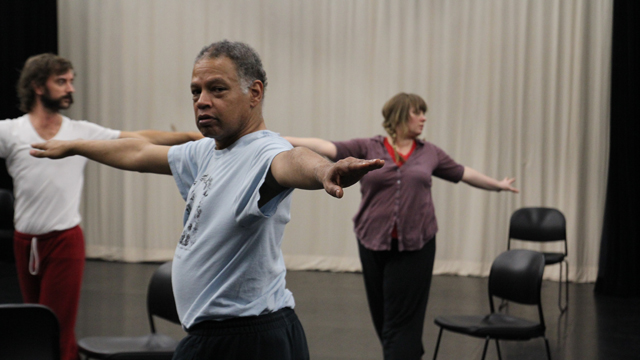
(50, 273)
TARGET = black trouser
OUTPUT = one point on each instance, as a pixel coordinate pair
(277, 336)
(397, 284)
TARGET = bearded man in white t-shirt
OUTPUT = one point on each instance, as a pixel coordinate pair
(48, 242)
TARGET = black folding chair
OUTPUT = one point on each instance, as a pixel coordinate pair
(516, 275)
(160, 303)
(28, 332)
(541, 224)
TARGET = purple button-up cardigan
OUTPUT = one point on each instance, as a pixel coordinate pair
(399, 195)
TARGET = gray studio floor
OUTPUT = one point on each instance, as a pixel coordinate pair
(334, 313)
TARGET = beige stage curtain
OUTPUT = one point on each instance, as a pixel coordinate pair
(514, 88)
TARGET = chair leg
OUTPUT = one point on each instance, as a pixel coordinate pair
(566, 281)
(560, 289)
(546, 343)
(486, 344)
(435, 353)
(498, 347)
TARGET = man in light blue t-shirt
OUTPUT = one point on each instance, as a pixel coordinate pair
(228, 269)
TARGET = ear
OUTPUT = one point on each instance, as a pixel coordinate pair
(39, 90)
(256, 93)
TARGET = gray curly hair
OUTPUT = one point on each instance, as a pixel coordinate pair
(246, 59)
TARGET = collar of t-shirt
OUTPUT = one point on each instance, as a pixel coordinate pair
(401, 158)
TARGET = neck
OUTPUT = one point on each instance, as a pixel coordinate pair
(402, 141)
(44, 117)
(256, 124)
(46, 123)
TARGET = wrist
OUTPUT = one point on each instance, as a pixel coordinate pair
(73, 146)
(321, 172)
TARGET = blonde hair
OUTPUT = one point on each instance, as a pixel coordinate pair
(396, 113)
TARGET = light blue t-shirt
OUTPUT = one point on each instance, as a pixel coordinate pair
(228, 262)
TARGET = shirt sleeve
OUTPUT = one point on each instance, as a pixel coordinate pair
(93, 131)
(447, 168)
(355, 147)
(247, 211)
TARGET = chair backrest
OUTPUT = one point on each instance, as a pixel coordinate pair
(516, 275)
(160, 300)
(29, 331)
(6, 210)
(537, 224)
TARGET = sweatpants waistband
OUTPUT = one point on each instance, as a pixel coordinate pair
(247, 324)
(46, 236)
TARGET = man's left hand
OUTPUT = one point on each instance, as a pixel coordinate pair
(347, 172)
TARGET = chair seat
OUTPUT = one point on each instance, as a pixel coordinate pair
(499, 326)
(152, 346)
(553, 258)
(28, 332)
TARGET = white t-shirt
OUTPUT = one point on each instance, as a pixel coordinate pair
(47, 192)
(228, 262)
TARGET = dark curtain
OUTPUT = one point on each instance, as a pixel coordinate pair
(28, 27)
(619, 268)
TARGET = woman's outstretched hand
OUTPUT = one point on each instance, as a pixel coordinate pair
(505, 184)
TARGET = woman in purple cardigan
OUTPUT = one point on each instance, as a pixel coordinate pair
(396, 223)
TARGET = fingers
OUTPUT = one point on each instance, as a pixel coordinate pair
(374, 164)
(352, 167)
(36, 153)
(335, 191)
(49, 149)
(350, 170)
(38, 150)
(347, 172)
(508, 181)
(366, 164)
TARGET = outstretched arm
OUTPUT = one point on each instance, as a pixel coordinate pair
(482, 181)
(162, 137)
(320, 146)
(304, 169)
(126, 154)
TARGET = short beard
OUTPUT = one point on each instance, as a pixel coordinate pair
(55, 105)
